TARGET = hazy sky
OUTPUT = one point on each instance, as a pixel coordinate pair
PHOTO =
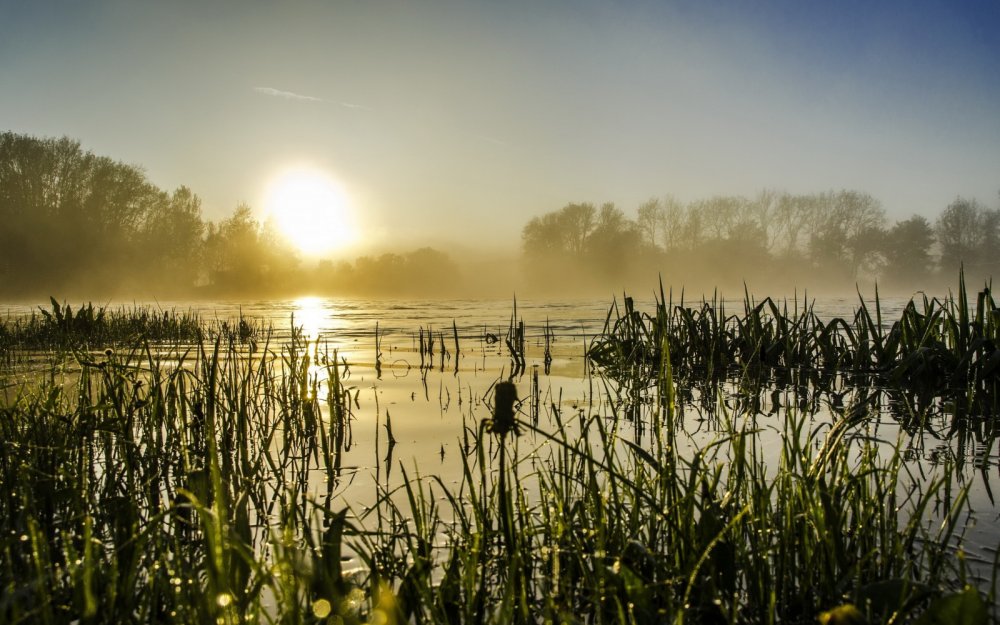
(461, 120)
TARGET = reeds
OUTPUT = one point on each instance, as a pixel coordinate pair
(61, 329)
(183, 489)
(621, 533)
(936, 347)
(153, 489)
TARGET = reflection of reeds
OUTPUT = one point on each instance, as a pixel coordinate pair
(549, 339)
(378, 352)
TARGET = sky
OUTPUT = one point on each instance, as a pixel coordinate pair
(456, 122)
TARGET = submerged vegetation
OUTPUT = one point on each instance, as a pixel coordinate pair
(199, 482)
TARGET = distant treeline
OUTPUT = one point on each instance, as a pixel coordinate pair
(76, 224)
(827, 241)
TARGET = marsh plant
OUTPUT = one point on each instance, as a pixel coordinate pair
(59, 330)
(938, 347)
(198, 485)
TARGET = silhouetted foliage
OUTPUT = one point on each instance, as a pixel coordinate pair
(908, 252)
(580, 244)
(75, 221)
(969, 234)
(242, 255)
(832, 239)
(846, 235)
(72, 222)
(565, 231)
(421, 273)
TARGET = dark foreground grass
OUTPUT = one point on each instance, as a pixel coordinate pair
(197, 489)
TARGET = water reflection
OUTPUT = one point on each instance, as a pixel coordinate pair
(310, 314)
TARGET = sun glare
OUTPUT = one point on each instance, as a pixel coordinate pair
(312, 211)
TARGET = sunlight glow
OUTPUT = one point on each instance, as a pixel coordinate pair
(310, 313)
(312, 211)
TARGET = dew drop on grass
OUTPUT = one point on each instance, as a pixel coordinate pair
(321, 608)
(224, 599)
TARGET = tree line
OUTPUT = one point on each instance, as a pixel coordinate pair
(76, 224)
(833, 239)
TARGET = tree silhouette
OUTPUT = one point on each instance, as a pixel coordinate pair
(908, 252)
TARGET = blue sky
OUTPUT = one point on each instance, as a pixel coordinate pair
(458, 121)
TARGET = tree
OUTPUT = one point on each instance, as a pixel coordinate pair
(614, 245)
(650, 219)
(560, 233)
(674, 214)
(793, 216)
(908, 252)
(243, 255)
(847, 230)
(172, 235)
(960, 233)
(577, 222)
(71, 220)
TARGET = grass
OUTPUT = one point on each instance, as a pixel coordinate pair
(937, 347)
(182, 488)
(62, 330)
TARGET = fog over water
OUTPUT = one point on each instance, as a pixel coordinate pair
(452, 124)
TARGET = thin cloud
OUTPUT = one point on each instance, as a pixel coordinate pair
(492, 140)
(351, 105)
(291, 95)
(288, 95)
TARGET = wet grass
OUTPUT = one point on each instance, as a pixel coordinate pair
(61, 329)
(937, 347)
(200, 487)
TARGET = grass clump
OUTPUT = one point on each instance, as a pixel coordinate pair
(937, 347)
(200, 486)
(63, 330)
(581, 525)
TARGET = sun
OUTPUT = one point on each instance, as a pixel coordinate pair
(312, 211)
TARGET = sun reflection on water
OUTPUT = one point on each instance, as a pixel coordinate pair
(311, 315)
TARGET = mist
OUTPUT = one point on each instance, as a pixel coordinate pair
(87, 226)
